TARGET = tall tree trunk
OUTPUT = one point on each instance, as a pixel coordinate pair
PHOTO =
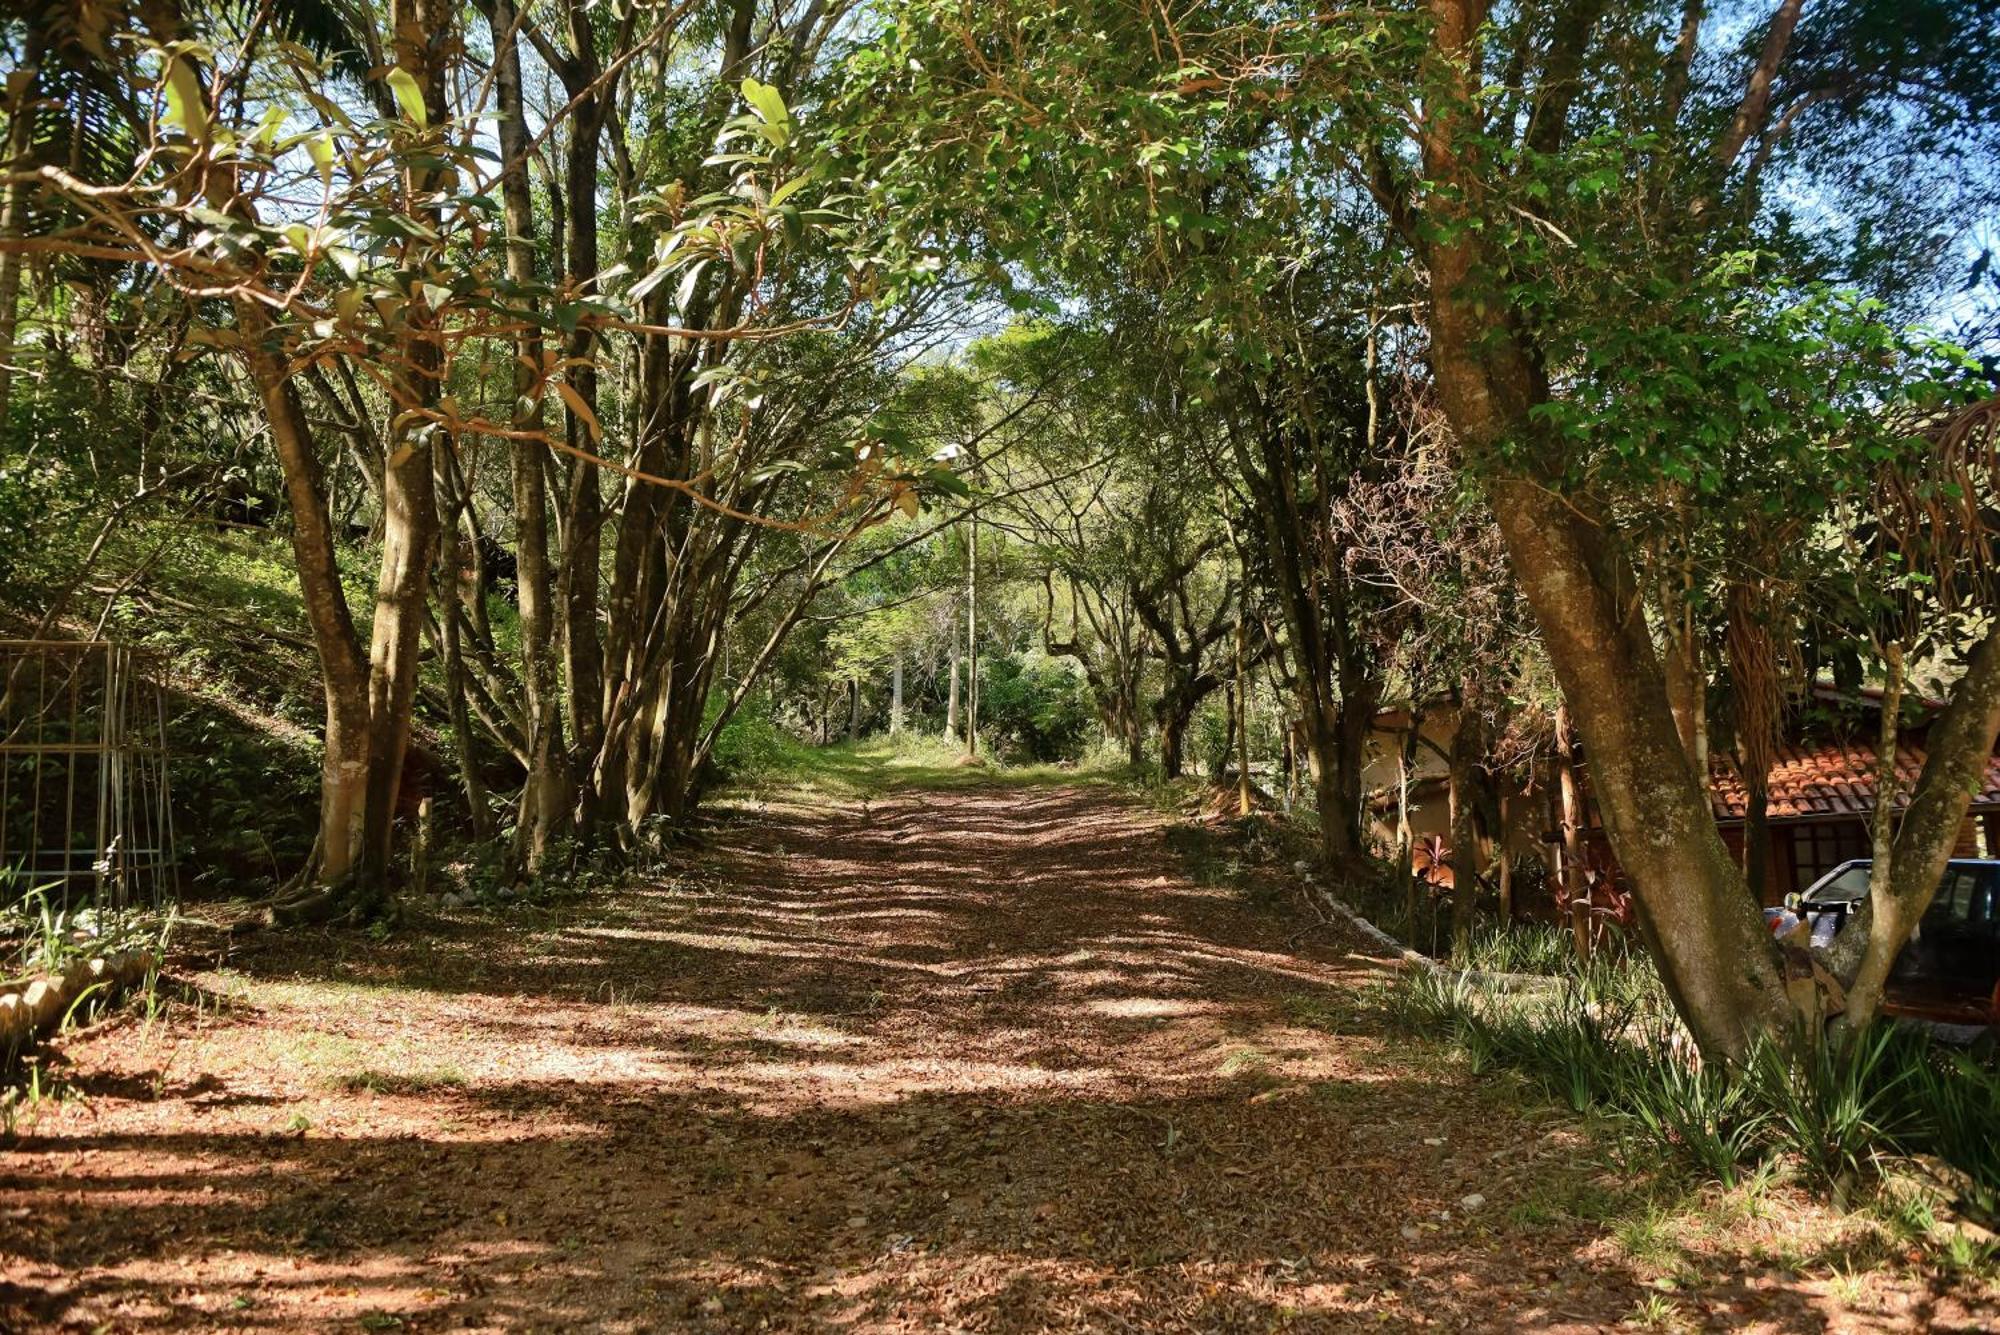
(1714, 954)
(1406, 765)
(343, 665)
(14, 210)
(896, 696)
(951, 691)
(1242, 722)
(583, 653)
(972, 641)
(409, 498)
(544, 791)
(1574, 885)
(453, 590)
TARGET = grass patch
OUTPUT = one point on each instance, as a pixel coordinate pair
(770, 760)
(401, 1082)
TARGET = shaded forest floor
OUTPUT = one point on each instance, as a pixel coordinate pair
(983, 1057)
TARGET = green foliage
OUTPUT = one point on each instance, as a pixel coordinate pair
(1040, 710)
(753, 750)
(1836, 1102)
(1956, 1102)
(1834, 1107)
(1535, 948)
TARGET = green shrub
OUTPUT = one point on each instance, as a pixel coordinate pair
(1606, 1041)
(1042, 710)
(752, 746)
(1834, 1104)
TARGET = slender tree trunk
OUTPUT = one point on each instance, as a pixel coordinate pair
(1406, 764)
(409, 498)
(972, 641)
(583, 651)
(1958, 748)
(951, 695)
(452, 592)
(14, 212)
(896, 696)
(1242, 722)
(343, 666)
(1465, 869)
(1571, 863)
(544, 791)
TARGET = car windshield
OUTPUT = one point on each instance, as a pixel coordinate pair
(1848, 883)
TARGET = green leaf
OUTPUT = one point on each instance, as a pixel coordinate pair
(408, 96)
(320, 148)
(185, 108)
(766, 101)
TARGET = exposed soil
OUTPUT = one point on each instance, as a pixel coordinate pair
(982, 1060)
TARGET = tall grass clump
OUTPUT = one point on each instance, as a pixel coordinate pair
(1532, 948)
(1836, 1103)
(1605, 1041)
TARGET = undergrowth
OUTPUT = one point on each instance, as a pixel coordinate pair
(1835, 1112)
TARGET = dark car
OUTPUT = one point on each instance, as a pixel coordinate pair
(1950, 970)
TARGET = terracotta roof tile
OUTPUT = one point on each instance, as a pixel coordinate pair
(1829, 780)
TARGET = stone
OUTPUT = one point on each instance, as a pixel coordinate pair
(1472, 1202)
(43, 1002)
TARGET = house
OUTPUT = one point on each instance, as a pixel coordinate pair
(1818, 813)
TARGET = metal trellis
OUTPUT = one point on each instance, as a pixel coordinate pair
(86, 811)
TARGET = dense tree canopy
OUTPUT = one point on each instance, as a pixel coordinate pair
(682, 374)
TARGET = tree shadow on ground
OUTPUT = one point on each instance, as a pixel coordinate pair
(982, 1061)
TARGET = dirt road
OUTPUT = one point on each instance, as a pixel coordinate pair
(981, 1060)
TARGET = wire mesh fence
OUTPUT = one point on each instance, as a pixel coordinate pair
(86, 810)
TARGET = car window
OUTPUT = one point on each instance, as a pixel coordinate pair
(1982, 901)
(1850, 883)
(1954, 896)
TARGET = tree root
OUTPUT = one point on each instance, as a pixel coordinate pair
(300, 903)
